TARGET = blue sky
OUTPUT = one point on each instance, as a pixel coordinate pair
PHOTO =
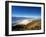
(21, 11)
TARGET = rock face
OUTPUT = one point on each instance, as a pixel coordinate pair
(34, 25)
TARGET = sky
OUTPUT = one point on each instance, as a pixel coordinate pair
(24, 11)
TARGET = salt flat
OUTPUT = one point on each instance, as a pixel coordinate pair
(23, 22)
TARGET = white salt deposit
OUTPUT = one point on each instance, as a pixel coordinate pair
(24, 22)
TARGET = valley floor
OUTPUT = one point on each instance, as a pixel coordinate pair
(34, 25)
